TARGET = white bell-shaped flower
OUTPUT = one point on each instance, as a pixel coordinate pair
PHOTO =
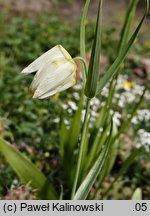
(55, 72)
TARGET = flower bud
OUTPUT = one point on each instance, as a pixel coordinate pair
(55, 72)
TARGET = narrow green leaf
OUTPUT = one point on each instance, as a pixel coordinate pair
(27, 171)
(97, 144)
(98, 134)
(137, 195)
(115, 66)
(81, 148)
(84, 156)
(127, 24)
(112, 154)
(88, 182)
(124, 37)
(93, 71)
(98, 125)
(75, 126)
(61, 193)
(69, 139)
(63, 137)
(113, 151)
(82, 37)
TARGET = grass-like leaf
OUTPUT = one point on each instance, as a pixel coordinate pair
(93, 71)
(115, 66)
(82, 37)
(69, 137)
(68, 141)
(75, 126)
(137, 195)
(124, 37)
(88, 182)
(127, 24)
(27, 171)
(63, 137)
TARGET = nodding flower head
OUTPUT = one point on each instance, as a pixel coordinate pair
(55, 72)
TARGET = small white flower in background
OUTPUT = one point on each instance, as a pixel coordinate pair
(55, 72)
(64, 106)
(76, 96)
(56, 120)
(78, 87)
(70, 111)
(14, 184)
(73, 105)
(121, 80)
(83, 114)
(138, 89)
(95, 104)
(143, 115)
(66, 122)
(147, 95)
(126, 98)
(144, 139)
(105, 91)
(117, 118)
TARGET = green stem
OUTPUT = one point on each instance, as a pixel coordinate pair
(85, 125)
(82, 37)
(83, 61)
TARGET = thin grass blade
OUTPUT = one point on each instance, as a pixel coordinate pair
(115, 66)
(124, 37)
(94, 66)
(82, 37)
(88, 182)
(137, 195)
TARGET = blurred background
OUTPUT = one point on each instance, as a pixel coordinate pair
(27, 29)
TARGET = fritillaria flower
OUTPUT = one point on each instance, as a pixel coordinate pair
(55, 72)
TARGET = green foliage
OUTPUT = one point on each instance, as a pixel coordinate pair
(28, 122)
(137, 195)
(28, 172)
(112, 71)
(97, 167)
(93, 70)
(6, 177)
(20, 45)
(68, 141)
(21, 41)
(82, 36)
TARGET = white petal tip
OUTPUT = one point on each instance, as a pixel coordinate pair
(25, 71)
(35, 96)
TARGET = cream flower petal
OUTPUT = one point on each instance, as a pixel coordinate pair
(42, 74)
(61, 74)
(49, 56)
(55, 72)
(70, 83)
